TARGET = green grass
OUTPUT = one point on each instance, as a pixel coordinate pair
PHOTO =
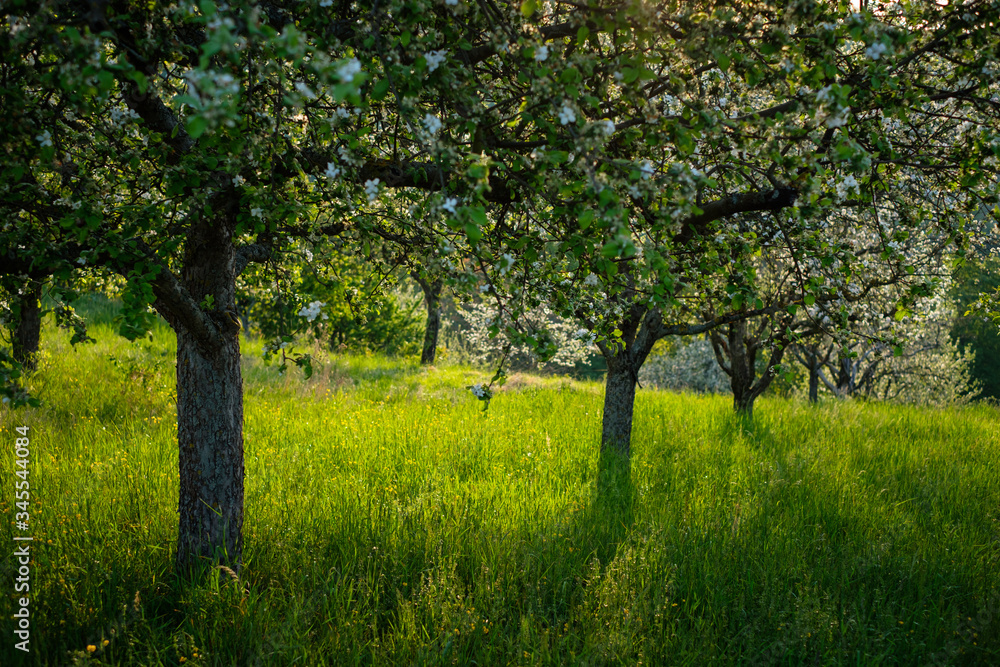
(388, 521)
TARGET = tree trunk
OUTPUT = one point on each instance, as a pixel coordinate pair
(210, 404)
(742, 360)
(210, 438)
(29, 326)
(813, 380)
(619, 403)
(432, 299)
(845, 377)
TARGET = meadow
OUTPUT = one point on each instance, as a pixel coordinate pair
(389, 521)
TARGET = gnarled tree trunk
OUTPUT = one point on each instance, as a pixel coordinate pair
(432, 299)
(209, 398)
(27, 333)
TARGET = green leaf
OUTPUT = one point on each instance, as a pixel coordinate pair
(809, 299)
(478, 215)
(197, 126)
(473, 232)
(380, 89)
(586, 218)
(528, 8)
(724, 61)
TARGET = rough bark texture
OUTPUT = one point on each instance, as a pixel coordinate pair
(737, 356)
(619, 402)
(210, 437)
(814, 382)
(742, 361)
(432, 299)
(640, 329)
(210, 404)
(29, 326)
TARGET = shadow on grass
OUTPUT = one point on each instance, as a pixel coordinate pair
(611, 514)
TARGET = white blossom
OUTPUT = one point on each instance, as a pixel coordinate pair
(305, 91)
(566, 114)
(332, 171)
(876, 50)
(371, 189)
(541, 53)
(45, 138)
(349, 70)
(646, 169)
(435, 58)
(257, 212)
(432, 124)
(449, 204)
(845, 186)
(311, 312)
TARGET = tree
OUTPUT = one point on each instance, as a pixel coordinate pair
(177, 145)
(749, 111)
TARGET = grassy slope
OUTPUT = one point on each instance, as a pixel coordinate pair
(389, 522)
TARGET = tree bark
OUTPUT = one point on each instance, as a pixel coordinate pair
(619, 403)
(742, 361)
(432, 299)
(210, 437)
(813, 380)
(641, 328)
(209, 402)
(29, 326)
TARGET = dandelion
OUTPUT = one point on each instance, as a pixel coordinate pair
(435, 58)
(541, 53)
(91, 648)
(566, 114)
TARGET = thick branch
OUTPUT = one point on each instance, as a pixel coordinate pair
(767, 200)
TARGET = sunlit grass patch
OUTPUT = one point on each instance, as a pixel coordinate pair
(389, 520)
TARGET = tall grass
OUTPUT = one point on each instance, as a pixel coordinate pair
(390, 521)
